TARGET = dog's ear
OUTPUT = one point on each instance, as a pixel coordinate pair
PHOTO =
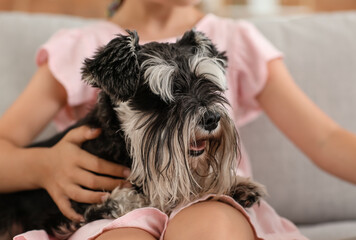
(196, 39)
(201, 45)
(114, 68)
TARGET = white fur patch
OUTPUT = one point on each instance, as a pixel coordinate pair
(159, 77)
(210, 68)
(131, 43)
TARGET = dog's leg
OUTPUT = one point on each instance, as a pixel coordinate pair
(247, 192)
(120, 202)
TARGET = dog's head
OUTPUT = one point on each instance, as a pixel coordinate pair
(169, 99)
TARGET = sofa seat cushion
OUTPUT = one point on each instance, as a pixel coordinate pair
(330, 231)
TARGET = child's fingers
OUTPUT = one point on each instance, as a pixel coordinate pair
(65, 207)
(98, 165)
(79, 194)
(95, 182)
(81, 134)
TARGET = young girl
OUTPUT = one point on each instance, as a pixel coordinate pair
(257, 79)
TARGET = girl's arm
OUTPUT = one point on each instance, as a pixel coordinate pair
(327, 144)
(24, 120)
(61, 169)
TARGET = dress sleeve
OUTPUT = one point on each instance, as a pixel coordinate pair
(249, 53)
(65, 52)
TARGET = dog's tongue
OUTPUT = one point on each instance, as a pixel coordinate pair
(198, 145)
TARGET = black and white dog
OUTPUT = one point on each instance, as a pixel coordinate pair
(163, 114)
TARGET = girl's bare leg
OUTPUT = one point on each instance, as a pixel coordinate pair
(209, 221)
(126, 234)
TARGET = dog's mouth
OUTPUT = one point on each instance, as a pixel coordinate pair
(197, 147)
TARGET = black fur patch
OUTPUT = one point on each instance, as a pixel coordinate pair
(115, 65)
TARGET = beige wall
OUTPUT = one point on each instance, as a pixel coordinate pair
(85, 8)
(323, 5)
(98, 8)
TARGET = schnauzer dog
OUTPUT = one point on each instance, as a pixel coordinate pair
(163, 113)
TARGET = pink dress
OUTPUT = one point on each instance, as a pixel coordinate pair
(248, 53)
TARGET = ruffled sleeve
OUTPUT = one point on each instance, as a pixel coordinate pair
(65, 52)
(248, 52)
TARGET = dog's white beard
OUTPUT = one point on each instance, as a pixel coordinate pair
(162, 166)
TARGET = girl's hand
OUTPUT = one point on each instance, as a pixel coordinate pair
(68, 168)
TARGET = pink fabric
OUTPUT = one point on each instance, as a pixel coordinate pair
(149, 219)
(248, 53)
(155, 222)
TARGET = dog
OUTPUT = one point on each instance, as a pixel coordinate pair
(163, 113)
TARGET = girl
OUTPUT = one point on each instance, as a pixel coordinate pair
(257, 79)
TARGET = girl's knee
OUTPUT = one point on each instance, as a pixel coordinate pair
(209, 220)
(126, 234)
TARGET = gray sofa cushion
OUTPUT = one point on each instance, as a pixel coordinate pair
(330, 231)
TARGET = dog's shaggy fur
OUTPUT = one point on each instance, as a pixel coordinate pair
(163, 114)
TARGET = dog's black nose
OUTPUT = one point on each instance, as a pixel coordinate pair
(210, 120)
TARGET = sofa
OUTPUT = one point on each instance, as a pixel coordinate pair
(320, 52)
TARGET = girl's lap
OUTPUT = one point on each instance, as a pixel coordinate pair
(209, 220)
(201, 220)
(126, 234)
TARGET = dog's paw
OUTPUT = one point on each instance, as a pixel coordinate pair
(120, 202)
(247, 193)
